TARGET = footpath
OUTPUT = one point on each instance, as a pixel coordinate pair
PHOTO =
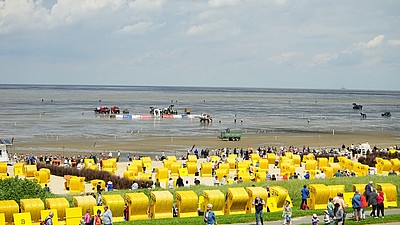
(307, 219)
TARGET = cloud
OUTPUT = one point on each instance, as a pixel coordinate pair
(146, 5)
(140, 28)
(375, 42)
(323, 58)
(347, 58)
(206, 28)
(223, 3)
(284, 57)
(25, 15)
(394, 42)
(280, 2)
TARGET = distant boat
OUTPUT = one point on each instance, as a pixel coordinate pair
(386, 114)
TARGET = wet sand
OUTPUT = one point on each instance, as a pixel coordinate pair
(174, 145)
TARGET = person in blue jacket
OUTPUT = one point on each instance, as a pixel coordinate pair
(305, 193)
(209, 216)
(356, 202)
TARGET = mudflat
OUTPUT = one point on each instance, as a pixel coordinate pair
(153, 145)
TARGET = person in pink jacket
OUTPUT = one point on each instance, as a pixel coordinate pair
(380, 207)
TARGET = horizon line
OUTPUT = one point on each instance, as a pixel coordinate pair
(190, 86)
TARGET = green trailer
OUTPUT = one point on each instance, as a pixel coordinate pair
(229, 135)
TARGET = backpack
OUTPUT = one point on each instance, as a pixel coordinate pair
(44, 221)
(304, 207)
(91, 221)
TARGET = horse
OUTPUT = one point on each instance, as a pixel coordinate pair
(363, 115)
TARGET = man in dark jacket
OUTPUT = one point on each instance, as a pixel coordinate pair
(259, 205)
(372, 201)
(179, 182)
(368, 189)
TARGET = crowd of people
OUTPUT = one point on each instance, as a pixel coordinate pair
(100, 218)
(337, 209)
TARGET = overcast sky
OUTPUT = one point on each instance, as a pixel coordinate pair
(218, 43)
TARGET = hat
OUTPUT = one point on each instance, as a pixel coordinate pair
(371, 182)
(209, 206)
(314, 215)
(326, 211)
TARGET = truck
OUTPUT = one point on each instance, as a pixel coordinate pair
(229, 135)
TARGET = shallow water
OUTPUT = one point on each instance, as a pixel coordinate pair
(67, 111)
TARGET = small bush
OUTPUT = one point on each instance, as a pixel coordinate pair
(17, 189)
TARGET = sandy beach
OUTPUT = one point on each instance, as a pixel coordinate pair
(173, 145)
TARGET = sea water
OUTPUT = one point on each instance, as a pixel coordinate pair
(39, 111)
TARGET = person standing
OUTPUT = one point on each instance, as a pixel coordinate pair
(368, 189)
(107, 216)
(99, 199)
(209, 216)
(342, 206)
(223, 181)
(287, 213)
(49, 219)
(305, 193)
(356, 202)
(259, 206)
(98, 187)
(97, 218)
(372, 201)
(330, 208)
(327, 218)
(135, 185)
(314, 219)
(364, 204)
(380, 206)
(126, 212)
(339, 214)
(216, 181)
(157, 184)
(179, 182)
(110, 186)
(87, 218)
(171, 183)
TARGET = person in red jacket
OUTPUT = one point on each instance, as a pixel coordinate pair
(126, 212)
(380, 206)
(364, 204)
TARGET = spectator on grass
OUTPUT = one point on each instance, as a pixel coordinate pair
(305, 193)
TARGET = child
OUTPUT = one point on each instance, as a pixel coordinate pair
(287, 213)
(97, 218)
(87, 217)
(314, 220)
(327, 220)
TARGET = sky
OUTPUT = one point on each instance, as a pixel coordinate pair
(216, 43)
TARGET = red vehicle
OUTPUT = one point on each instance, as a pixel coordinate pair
(102, 110)
(115, 110)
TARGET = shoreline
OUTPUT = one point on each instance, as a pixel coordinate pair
(153, 145)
